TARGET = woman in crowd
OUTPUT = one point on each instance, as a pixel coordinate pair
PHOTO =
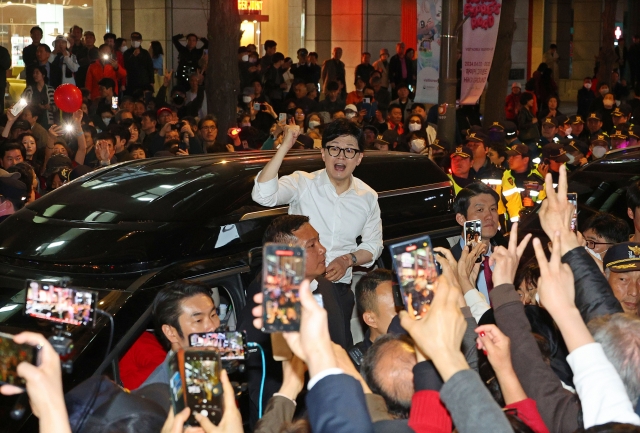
(41, 94)
(157, 55)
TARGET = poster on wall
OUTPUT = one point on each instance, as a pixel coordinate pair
(429, 29)
(479, 35)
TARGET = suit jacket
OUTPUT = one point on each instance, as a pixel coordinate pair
(273, 379)
(336, 404)
(331, 71)
(395, 70)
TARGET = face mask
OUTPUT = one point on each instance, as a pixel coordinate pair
(359, 89)
(252, 60)
(417, 145)
(245, 125)
(246, 99)
(135, 44)
(350, 115)
(599, 151)
(587, 86)
(604, 91)
(593, 253)
(313, 124)
(607, 104)
(414, 127)
(123, 48)
(178, 100)
(245, 58)
(571, 159)
(106, 120)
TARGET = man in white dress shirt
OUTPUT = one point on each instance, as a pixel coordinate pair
(340, 206)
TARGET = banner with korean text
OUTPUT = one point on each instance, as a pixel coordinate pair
(479, 35)
(429, 28)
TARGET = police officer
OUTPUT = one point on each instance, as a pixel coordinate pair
(594, 124)
(576, 152)
(577, 128)
(554, 156)
(565, 129)
(634, 135)
(460, 171)
(599, 146)
(522, 177)
(620, 115)
(619, 138)
(549, 131)
(482, 167)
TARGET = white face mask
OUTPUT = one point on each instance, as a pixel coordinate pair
(587, 86)
(123, 48)
(571, 159)
(417, 145)
(414, 127)
(245, 125)
(106, 120)
(246, 99)
(245, 58)
(350, 115)
(253, 60)
(313, 124)
(604, 91)
(135, 44)
(593, 253)
(599, 151)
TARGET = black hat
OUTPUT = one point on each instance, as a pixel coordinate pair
(576, 146)
(107, 83)
(620, 133)
(440, 144)
(595, 115)
(518, 149)
(478, 137)
(556, 152)
(563, 119)
(388, 137)
(601, 139)
(371, 128)
(462, 151)
(622, 110)
(21, 124)
(550, 121)
(624, 257)
(497, 125)
(509, 128)
(474, 128)
(634, 132)
(14, 191)
(576, 119)
(57, 162)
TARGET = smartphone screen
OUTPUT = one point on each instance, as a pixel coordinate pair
(73, 306)
(175, 384)
(230, 345)
(572, 197)
(282, 118)
(415, 266)
(282, 272)
(20, 105)
(202, 384)
(256, 106)
(114, 102)
(12, 354)
(472, 232)
(367, 100)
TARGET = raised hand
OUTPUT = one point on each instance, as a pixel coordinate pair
(506, 260)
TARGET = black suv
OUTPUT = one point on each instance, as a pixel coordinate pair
(129, 229)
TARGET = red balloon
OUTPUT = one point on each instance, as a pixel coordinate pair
(68, 98)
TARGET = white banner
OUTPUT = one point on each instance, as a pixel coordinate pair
(480, 32)
(429, 28)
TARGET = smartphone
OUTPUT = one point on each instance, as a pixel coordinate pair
(68, 305)
(366, 101)
(282, 118)
(12, 354)
(473, 235)
(19, 106)
(415, 266)
(230, 345)
(114, 102)
(256, 106)
(106, 57)
(194, 382)
(572, 197)
(282, 273)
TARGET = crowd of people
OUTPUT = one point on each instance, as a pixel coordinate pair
(550, 345)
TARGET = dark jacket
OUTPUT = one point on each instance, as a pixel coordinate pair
(336, 404)
(585, 99)
(187, 59)
(560, 409)
(395, 69)
(139, 69)
(527, 129)
(594, 296)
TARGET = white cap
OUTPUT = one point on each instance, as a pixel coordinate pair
(351, 107)
(516, 84)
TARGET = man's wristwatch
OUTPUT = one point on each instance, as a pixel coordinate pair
(354, 259)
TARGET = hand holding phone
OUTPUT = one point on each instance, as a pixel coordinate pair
(19, 106)
(473, 235)
(12, 354)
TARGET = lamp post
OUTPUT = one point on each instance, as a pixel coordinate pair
(448, 79)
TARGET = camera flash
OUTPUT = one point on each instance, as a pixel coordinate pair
(106, 57)
(68, 128)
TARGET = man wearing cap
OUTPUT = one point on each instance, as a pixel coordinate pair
(521, 178)
(556, 156)
(594, 124)
(388, 140)
(619, 138)
(549, 130)
(481, 168)
(138, 62)
(576, 152)
(104, 67)
(512, 103)
(620, 115)
(622, 269)
(565, 128)
(460, 172)
(13, 195)
(599, 146)
(634, 135)
(63, 63)
(577, 128)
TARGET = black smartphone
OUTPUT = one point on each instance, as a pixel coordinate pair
(572, 197)
(256, 106)
(366, 100)
(68, 305)
(230, 345)
(11, 355)
(473, 235)
(415, 266)
(194, 381)
(282, 273)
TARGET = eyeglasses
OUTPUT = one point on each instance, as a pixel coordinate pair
(348, 152)
(208, 128)
(592, 244)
